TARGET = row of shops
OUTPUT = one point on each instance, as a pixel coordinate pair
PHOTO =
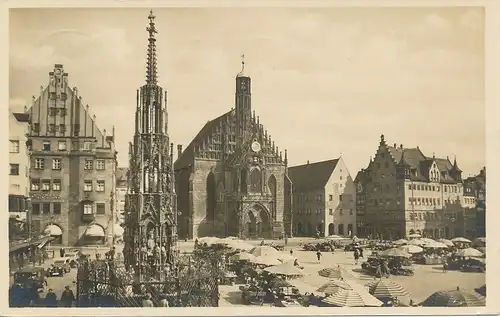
(29, 252)
(93, 234)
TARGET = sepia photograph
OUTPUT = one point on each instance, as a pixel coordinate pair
(247, 157)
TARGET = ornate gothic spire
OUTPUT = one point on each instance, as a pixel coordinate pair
(151, 77)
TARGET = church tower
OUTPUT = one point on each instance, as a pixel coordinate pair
(243, 105)
(151, 217)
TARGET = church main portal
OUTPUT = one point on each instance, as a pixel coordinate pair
(257, 223)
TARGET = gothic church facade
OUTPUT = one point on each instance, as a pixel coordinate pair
(232, 180)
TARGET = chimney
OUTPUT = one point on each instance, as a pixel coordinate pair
(395, 145)
(401, 146)
(179, 150)
(308, 162)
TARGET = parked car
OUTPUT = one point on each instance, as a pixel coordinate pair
(31, 276)
(64, 264)
(74, 256)
(54, 270)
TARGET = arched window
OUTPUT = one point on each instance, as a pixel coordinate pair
(211, 196)
(255, 180)
(243, 181)
(271, 183)
(331, 229)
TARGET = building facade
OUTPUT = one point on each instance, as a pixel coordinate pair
(402, 191)
(73, 162)
(475, 196)
(19, 162)
(232, 179)
(121, 192)
(324, 199)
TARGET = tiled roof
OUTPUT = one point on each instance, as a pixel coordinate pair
(187, 155)
(311, 176)
(415, 159)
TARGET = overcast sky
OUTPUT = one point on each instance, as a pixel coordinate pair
(325, 81)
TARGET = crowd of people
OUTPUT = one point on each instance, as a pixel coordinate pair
(29, 296)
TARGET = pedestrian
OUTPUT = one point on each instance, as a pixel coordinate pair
(62, 252)
(163, 301)
(361, 253)
(147, 302)
(16, 295)
(445, 265)
(112, 253)
(67, 297)
(387, 269)
(33, 295)
(318, 255)
(50, 299)
(291, 252)
(356, 256)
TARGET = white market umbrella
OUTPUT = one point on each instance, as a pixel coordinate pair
(461, 239)
(243, 256)
(418, 242)
(435, 245)
(469, 252)
(358, 296)
(284, 269)
(400, 242)
(445, 241)
(264, 250)
(411, 248)
(265, 260)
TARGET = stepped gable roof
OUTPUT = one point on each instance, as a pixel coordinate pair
(311, 176)
(187, 155)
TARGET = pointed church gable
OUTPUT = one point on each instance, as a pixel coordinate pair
(211, 134)
(59, 111)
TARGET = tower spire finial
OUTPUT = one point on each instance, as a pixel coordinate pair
(242, 72)
(151, 76)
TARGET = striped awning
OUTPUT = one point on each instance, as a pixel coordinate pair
(53, 230)
(94, 231)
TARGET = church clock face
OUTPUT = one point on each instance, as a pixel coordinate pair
(256, 147)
